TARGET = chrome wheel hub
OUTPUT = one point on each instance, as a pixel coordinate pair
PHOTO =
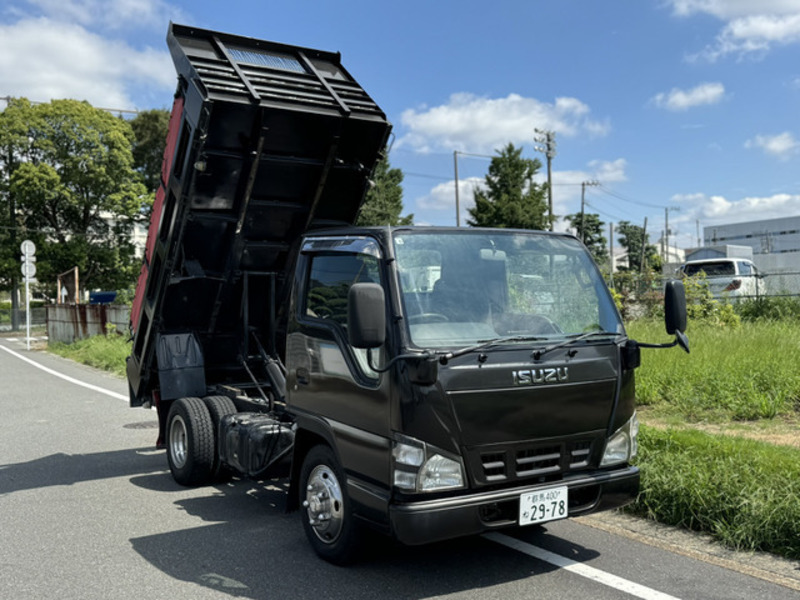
(177, 441)
(324, 504)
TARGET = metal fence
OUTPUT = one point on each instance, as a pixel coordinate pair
(771, 285)
(781, 283)
(9, 318)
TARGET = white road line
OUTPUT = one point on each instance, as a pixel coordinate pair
(618, 583)
(65, 377)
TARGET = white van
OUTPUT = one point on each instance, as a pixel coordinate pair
(727, 277)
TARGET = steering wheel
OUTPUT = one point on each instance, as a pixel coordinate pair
(428, 318)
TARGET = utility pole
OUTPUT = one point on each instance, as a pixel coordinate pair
(644, 247)
(611, 254)
(547, 145)
(458, 210)
(12, 221)
(583, 202)
(666, 228)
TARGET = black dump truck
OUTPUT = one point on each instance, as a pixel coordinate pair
(424, 382)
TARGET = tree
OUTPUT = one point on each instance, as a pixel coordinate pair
(150, 137)
(633, 238)
(384, 200)
(511, 198)
(72, 188)
(592, 234)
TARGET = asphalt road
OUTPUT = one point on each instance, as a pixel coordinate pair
(88, 510)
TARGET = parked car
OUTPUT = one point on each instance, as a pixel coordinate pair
(727, 277)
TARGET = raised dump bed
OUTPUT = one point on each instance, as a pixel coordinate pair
(266, 141)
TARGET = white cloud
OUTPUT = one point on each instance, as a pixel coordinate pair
(731, 9)
(477, 124)
(752, 27)
(43, 59)
(442, 198)
(109, 14)
(716, 209)
(783, 146)
(680, 100)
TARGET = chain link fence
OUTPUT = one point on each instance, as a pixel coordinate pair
(14, 320)
(642, 293)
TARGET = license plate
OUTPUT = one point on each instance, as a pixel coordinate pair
(543, 505)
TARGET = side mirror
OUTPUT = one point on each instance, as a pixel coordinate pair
(366, 315)
(675, 307)
(675, 312)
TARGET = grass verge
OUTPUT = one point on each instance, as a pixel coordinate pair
(107, 352)
(745, 493)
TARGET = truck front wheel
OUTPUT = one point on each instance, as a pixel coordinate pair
(190, 442)
(326, 513)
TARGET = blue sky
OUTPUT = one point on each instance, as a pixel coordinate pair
(685, 106)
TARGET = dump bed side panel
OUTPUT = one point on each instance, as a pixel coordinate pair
(266, 142)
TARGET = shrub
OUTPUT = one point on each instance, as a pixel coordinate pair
(770, 308)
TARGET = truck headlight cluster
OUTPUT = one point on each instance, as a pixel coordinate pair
(420, 467)
(623, 445)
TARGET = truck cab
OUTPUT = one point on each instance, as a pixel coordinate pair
(506, 382)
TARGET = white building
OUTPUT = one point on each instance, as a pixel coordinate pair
(775, 242)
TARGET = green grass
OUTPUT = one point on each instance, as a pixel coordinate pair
(744, 493)
(102, 352)
(745, 373)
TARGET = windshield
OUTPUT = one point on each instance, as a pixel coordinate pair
(711, 269)
(470, 286)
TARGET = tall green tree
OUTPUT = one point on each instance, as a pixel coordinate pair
(511, 198)
(150, 138)
(384, 201)
(73, 189)
(635, 241)
(589, 228)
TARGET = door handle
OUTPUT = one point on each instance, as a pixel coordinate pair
(303, 376)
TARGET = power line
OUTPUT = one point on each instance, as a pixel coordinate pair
(604, 189)
(129, 111)
(425, 175)
(605, 214)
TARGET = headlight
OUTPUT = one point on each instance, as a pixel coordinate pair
(420, 467)
(623, 445)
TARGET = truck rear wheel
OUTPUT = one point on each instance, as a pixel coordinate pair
(326, 513)
(190, 442)
(218, 407)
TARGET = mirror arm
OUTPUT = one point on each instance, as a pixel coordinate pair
(390, 364)
(680, 340)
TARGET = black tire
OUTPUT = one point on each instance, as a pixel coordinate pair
(326, 510)
(218, 407)
(190, 442)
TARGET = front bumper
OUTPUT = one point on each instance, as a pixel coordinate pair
(428, 521)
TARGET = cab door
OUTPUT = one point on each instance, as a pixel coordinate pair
(328, 381)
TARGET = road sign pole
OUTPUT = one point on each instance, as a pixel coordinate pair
(28, 249)
(28, 312)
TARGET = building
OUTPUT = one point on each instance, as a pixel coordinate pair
(775, 242)
(770, 236)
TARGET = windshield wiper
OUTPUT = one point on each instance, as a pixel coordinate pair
(577, 337)
(443, 358)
